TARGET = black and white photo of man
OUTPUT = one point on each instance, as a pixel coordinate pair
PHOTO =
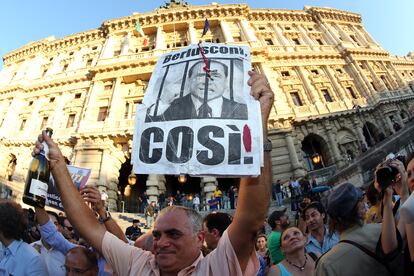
(206, 96)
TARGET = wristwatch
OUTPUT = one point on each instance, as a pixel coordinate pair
(106, 218)
(267, 145)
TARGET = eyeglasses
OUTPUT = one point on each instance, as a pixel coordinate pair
(75, 271)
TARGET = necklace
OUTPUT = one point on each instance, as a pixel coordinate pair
(301, 268)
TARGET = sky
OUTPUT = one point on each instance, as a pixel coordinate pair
(24, 21)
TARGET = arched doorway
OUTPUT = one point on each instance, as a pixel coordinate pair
(190, 186)
(312, 146)
(348, 144)
(128, 202)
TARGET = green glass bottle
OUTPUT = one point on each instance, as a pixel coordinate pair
(35, 190)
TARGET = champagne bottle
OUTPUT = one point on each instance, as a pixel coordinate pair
(35, 190)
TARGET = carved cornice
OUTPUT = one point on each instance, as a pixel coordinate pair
(279, 15)
(330, 14)
(75, 40)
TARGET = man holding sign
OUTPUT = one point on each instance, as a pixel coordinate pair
(177, 232)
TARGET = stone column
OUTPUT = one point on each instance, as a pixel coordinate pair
(116, 102)
(339, 89)
(59, 114)
(192, 33)
(95, 88)
(329, 34)
(359, 36)
(363, 81)
(160, 42)
(389, 124)
(342, 33)
(153, 190)
(226, 32)
(315, 99)
(281, 102)
(305, 36)
(125, 44)
(401, 82)
(369, 37)
(108, 50)
(334, 146)
(393, 83)
(280, 36)
(377, 81)
(209, 186)
(109, 173)
(247, 30)
(294, 161)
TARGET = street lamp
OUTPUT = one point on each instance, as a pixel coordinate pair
(132, 179)
(316, 158)
(182, 178)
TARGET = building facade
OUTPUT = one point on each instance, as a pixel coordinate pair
(337, 91)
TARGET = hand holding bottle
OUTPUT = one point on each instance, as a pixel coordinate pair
(55, 155)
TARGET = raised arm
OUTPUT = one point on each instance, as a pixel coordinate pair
(76, 210)
(92, 195)
(254, 193)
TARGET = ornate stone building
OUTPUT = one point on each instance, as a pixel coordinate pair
(338, 92)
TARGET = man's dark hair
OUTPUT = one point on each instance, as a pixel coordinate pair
(191, 71)
(12, 220)
(341, 224)
(53, 214)
(135, 221)
(276, 215)
(88, 255)
(314, 205)
(219, 221)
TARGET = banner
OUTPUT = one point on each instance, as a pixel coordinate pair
(197, 115)
(79, 176)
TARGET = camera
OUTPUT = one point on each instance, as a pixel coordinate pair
(386, 173)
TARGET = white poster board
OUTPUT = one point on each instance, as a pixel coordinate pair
(198, 123)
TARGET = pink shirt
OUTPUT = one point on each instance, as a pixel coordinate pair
(130, 260)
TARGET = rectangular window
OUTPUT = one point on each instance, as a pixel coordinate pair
(296, 99)
(71, 121)
(326, 95)
(315, 72)
(135, 106)
(285, 73)
(94, 48)
(296, 41)
(354, 39)
(103, 111)
(89, 62)
(78, 95)
(269, 41)
(44, 72)
(287, 28)
(261, 28)
(65, 67)
(51, 100)
(22, 125)
(71, 53)
(44, 123)
(108, 87)
(339, 71)
(320, 42)
(117, 53)
(30, 103)
(351, 92)
(126, 111)
(384, 79)
(373, 85)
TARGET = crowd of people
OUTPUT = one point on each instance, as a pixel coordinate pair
(354, 233)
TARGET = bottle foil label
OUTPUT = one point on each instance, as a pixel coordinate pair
(38, 188)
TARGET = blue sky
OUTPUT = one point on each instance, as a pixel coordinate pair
(23, 21)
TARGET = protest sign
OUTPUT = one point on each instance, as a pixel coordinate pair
(198, 116)
(79, 177)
